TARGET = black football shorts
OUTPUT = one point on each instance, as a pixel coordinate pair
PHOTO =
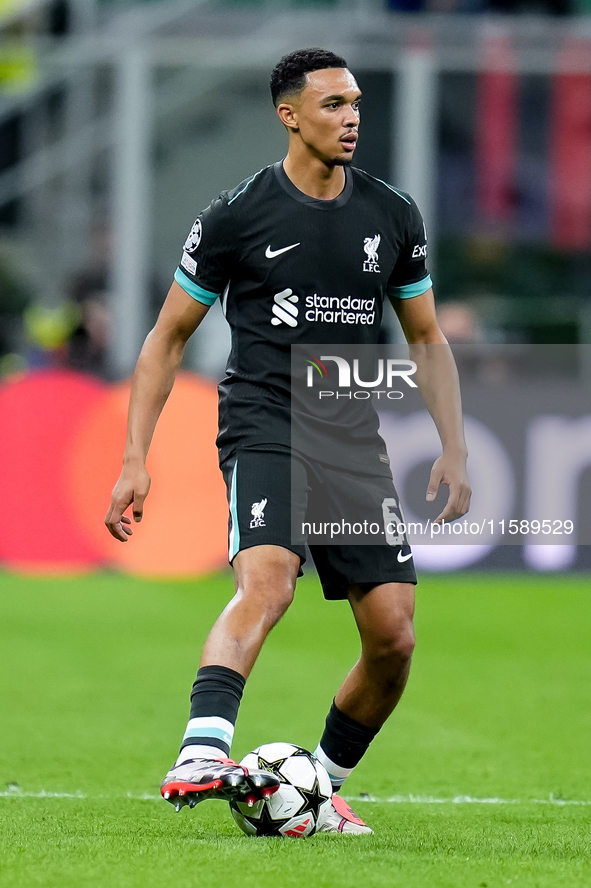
(279, 500)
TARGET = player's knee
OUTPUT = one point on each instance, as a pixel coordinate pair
(277, 604)
(393, 649)
(404, 644)
(268, 602)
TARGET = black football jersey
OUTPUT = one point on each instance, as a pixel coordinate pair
(291, 269)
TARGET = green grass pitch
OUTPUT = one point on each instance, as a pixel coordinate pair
(95, 676)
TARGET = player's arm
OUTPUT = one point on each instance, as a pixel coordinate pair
(152, 383)
(437, 379)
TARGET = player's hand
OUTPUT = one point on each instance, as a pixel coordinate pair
(132, 487)
(450, 469)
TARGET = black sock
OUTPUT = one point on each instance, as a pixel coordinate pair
(215, 699)
(343, 744)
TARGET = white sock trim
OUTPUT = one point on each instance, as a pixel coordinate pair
(335, 772)
(210, 726)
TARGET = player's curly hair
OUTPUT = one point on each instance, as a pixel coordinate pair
(289, 74)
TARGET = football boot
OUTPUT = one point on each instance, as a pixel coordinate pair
(340, 818)
(196, 780)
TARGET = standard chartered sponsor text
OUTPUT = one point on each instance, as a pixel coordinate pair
(343, 309)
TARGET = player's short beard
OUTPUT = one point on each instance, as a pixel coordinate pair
(342, 161)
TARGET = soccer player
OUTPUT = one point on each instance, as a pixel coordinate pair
(308, 226)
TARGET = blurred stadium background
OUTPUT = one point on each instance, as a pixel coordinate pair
(119, 121)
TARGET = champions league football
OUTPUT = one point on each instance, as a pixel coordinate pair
(297, 808)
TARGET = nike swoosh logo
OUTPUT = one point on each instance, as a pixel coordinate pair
(403, 558)
(270, 254)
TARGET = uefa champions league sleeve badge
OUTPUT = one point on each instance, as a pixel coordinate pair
(194, 238)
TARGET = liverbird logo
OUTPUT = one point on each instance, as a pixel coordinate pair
(258, 514)
(370, 245)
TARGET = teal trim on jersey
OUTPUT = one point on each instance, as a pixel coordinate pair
(410, 290)
(193, 289)
(234, 541)
(395, 190)
(252, 178)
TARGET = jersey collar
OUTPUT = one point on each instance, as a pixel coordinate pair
(313, 202)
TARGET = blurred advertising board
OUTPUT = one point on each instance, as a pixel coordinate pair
(61, 446)
(527, 413)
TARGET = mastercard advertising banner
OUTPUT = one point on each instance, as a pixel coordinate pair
(61, 443)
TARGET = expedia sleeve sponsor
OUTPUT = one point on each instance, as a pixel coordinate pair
(410, 276)
(209, 253)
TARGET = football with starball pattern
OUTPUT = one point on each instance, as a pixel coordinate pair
(297, 808)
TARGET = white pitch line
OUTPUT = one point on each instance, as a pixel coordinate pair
(463, 800)
(390, 800)
(42, 794)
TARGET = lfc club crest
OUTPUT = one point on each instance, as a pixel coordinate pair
(370, 245)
